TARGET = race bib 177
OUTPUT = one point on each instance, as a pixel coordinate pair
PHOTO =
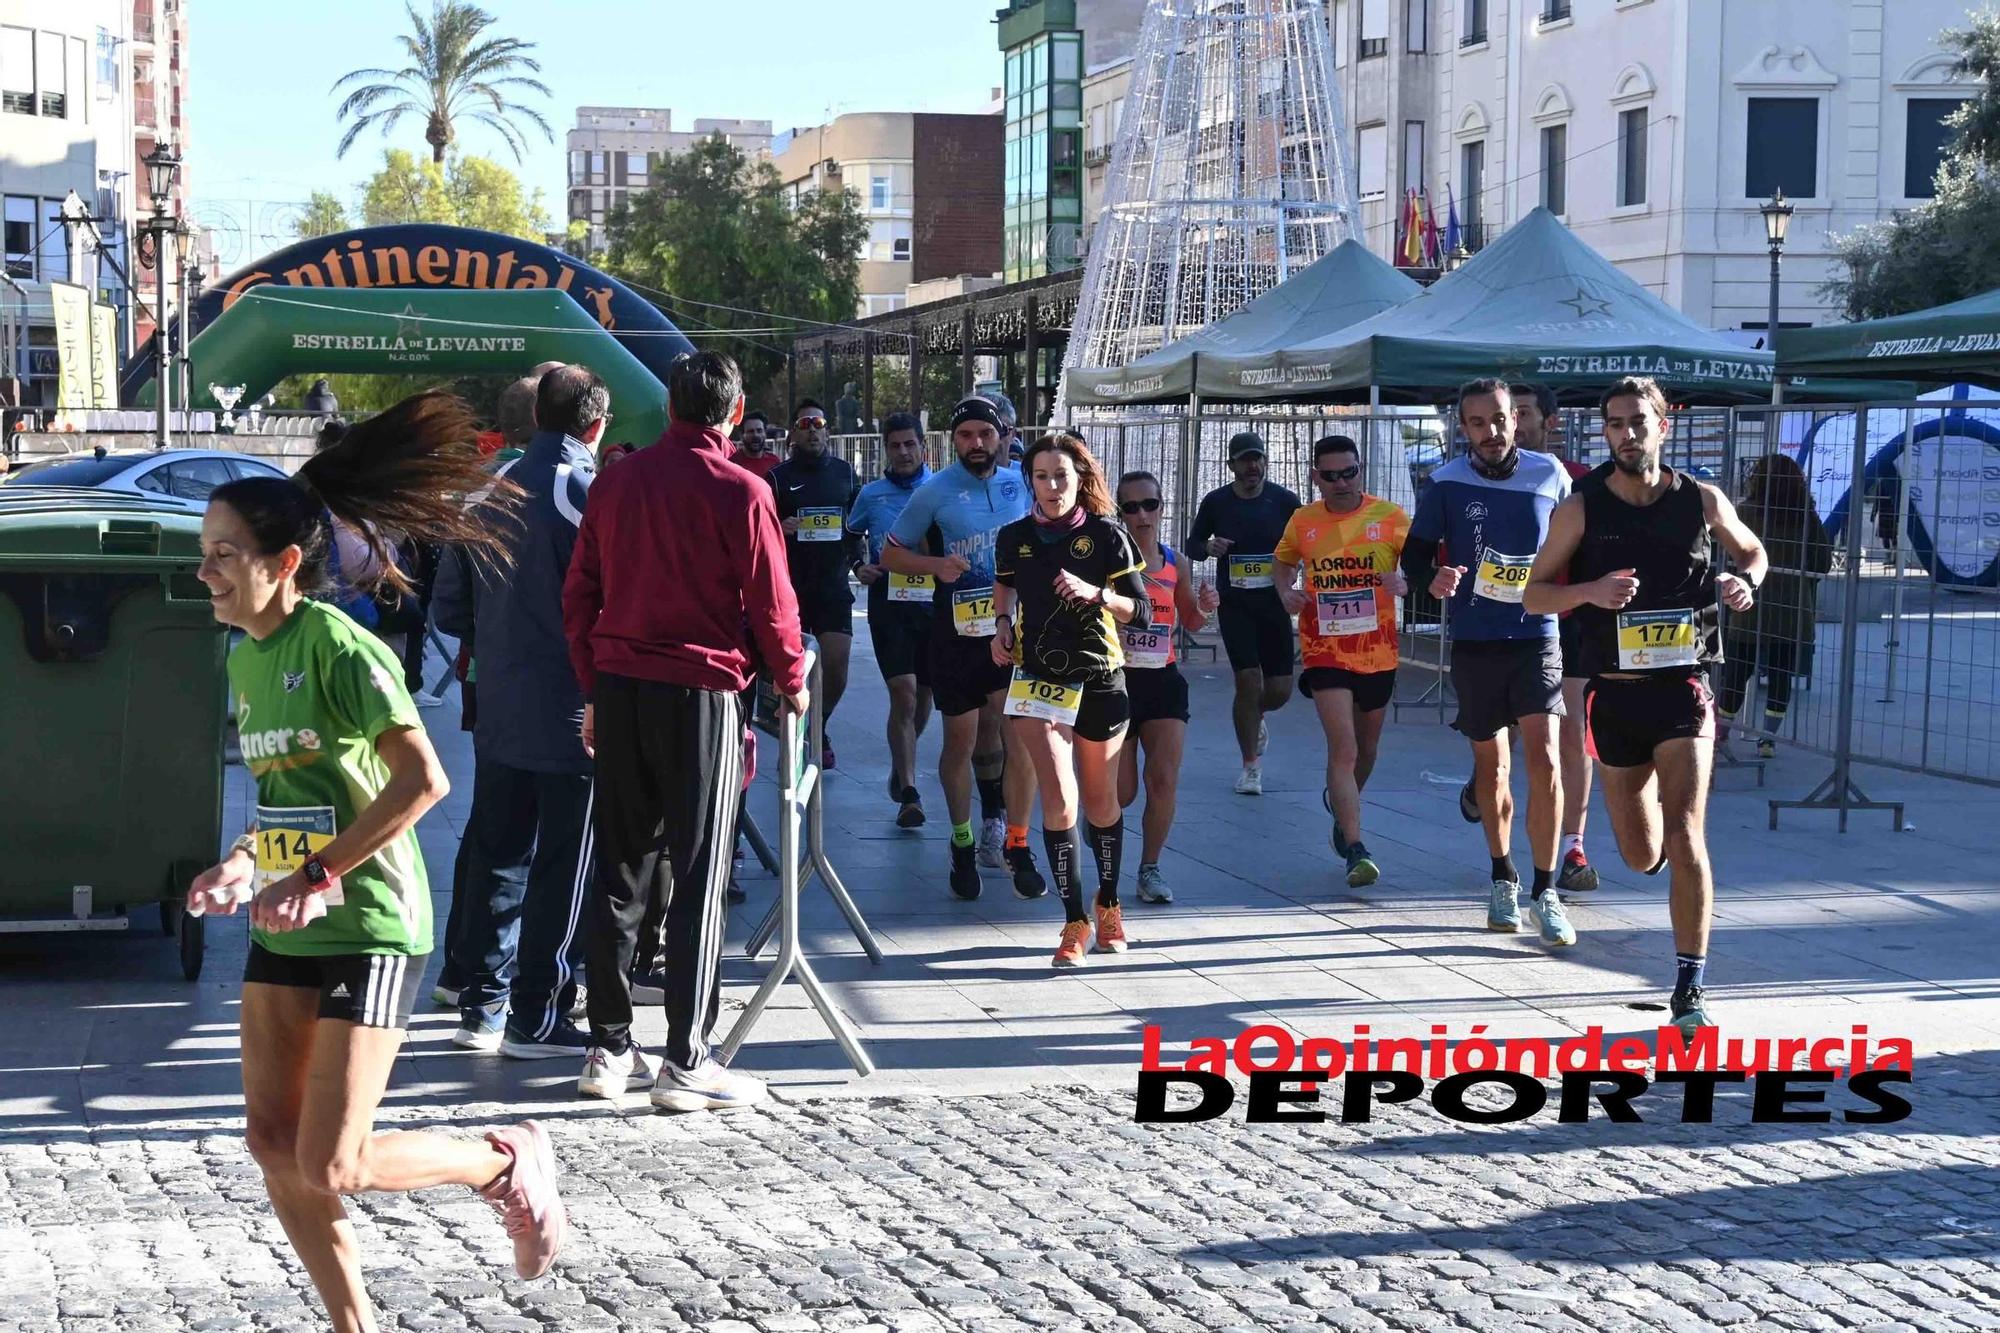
(1648, 640)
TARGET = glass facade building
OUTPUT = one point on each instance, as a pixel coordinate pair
(1042, 230)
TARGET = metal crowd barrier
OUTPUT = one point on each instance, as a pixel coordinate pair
(799, 778)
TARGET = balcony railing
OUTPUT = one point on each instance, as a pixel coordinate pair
(145, 110)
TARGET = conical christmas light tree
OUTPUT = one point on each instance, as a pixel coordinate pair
(1230, 173)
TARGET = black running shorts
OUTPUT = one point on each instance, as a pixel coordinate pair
(1501, 681)
(826, 612)
(1157, 694)
(963, 674)
(370, 990)
(1372, 689)
(1257, 635)
(1626, 720)
(901, 633)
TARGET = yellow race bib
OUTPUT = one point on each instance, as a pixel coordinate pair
(286, 836)
(1648, 640)
(1250, 571)
(912, 588)
(1046, 700)
(1503, 578)
(820, 524)
(972, 614)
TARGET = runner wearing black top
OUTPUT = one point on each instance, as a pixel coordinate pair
(815, 491)
(1636, 551)
(1238, 527)
(1065, 578)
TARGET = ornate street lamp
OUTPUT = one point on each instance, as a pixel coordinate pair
(163, 166)
(1777, 213)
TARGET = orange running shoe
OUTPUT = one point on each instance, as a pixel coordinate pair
(1075, 939)
(1111, 929)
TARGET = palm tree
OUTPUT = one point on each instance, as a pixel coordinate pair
(453, 74)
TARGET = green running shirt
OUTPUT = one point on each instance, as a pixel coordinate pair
(311, 701)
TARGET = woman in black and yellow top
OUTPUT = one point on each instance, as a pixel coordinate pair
(1065, 578)
(339, 904)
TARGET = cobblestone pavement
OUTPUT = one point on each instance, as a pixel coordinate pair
(1055, 1211)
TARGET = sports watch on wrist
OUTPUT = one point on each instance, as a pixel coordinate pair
(315, 872)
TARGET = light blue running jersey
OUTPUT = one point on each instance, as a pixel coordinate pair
(956, 513)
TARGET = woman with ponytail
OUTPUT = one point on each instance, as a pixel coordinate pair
(340, 908)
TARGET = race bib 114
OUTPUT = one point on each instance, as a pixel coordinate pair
(286, 836)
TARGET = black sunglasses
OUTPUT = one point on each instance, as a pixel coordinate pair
(1146, 506)
(1339, 473)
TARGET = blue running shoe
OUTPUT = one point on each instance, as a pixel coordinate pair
(1690, 1010)
(1549, 917)
(1503, 907)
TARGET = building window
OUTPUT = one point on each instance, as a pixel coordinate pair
(1413, 155)
(1554, 11)
(20, 234)
(17, 71)
(1926, 139)
(597, 168)
(899, 249)
(1471, 185)
(1372, 160)
(635, 168)
(107, 58)
(878, 193)
(1340, 31)
(1782, 147)
(1632, 157)
(53, 77)
(1374, 17)
(1475, 23)
(1555, 171)
(1416, 26)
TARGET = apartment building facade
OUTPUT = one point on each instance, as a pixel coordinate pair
(613, 149)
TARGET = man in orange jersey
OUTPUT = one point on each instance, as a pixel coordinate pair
(1348, 545)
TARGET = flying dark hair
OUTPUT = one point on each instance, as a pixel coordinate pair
(1335, 444)
(571, 399)
(1090, 491)
(1485, 384)
(1544, 396)
(896, 421)
(402, 473)
(702, 388)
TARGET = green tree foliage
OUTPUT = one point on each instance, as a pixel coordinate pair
(324, 216)
(455, 73)
(462, 192)
(1947, 248)
(716, 230)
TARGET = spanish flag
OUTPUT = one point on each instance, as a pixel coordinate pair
(1413, 231)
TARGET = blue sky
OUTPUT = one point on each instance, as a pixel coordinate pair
(263, 128)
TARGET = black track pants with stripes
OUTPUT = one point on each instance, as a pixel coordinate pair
(669, 784)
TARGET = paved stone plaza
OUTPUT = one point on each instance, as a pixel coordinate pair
(990, 1176)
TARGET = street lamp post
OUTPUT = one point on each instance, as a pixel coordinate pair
(163, 164)
(1777, 213)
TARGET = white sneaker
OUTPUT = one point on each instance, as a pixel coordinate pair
(609, 1076)
(1250, 782)
(707, 1087)
(1263, 737)
(425, 699)
(993, 844)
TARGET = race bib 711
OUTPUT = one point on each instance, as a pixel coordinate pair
(1346, 611)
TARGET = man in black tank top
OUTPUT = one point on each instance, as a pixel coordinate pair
(1643, 594)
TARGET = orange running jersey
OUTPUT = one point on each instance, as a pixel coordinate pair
(1152, 647)
(1348, 620)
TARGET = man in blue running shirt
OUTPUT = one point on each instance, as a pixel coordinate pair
(1489, 509)
(947, 531)
(899, 606)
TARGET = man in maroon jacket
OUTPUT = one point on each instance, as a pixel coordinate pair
(679, 569)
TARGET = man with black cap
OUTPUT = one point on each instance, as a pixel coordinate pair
(1238, 527)
(947, 531)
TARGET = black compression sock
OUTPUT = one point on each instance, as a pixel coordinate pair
(1544, 881)
(1061, 847)
(992, 799)
(1108, 843)
(1690, 970)
(1503, 868)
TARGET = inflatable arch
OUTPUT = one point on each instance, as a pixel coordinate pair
(272, 332)
(424, 256)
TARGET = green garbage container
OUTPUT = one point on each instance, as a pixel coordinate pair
(112, 707)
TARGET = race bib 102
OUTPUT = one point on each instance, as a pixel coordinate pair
(821, 524)
(1649, 640)
(972, 614)
(1345, 612)
(1045, 700)
(1503, 578)
(1251, 571)
(286, 836)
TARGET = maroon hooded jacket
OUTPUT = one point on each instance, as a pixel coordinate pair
(679, 568)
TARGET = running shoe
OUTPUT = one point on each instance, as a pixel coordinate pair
(1075, 940)
(1690, 1010)
(1660, 864)
(650, 988)
(564, 1039)
(611, 1076)
(1361, 868)
(964, 872)
(1767, 748)
(1334, 840)
(1250, 782)
(1549, 917)
(580, 1006)
(527, 1197)
(993, 844)
(736, 893)
(709, 1086)
(1028, 881)
(1153, 886)
(1263, 737)
(445, 996)
(1503, 907)
(1468, 803)
(1577, 875)
(1111, 929)
(912, 813)
(425, 699)
(481, 1030)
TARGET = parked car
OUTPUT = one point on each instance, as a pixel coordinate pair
(184, 478)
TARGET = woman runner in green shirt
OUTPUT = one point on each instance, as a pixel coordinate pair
(340, 919)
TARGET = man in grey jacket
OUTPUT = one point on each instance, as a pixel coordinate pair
(528, 859)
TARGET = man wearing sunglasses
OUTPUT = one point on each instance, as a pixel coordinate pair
(815, 491)
(1238, 527)
(1348, 543)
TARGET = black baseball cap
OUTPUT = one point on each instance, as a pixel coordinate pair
(1245, 442)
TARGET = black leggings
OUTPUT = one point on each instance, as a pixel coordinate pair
(1781, 662)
